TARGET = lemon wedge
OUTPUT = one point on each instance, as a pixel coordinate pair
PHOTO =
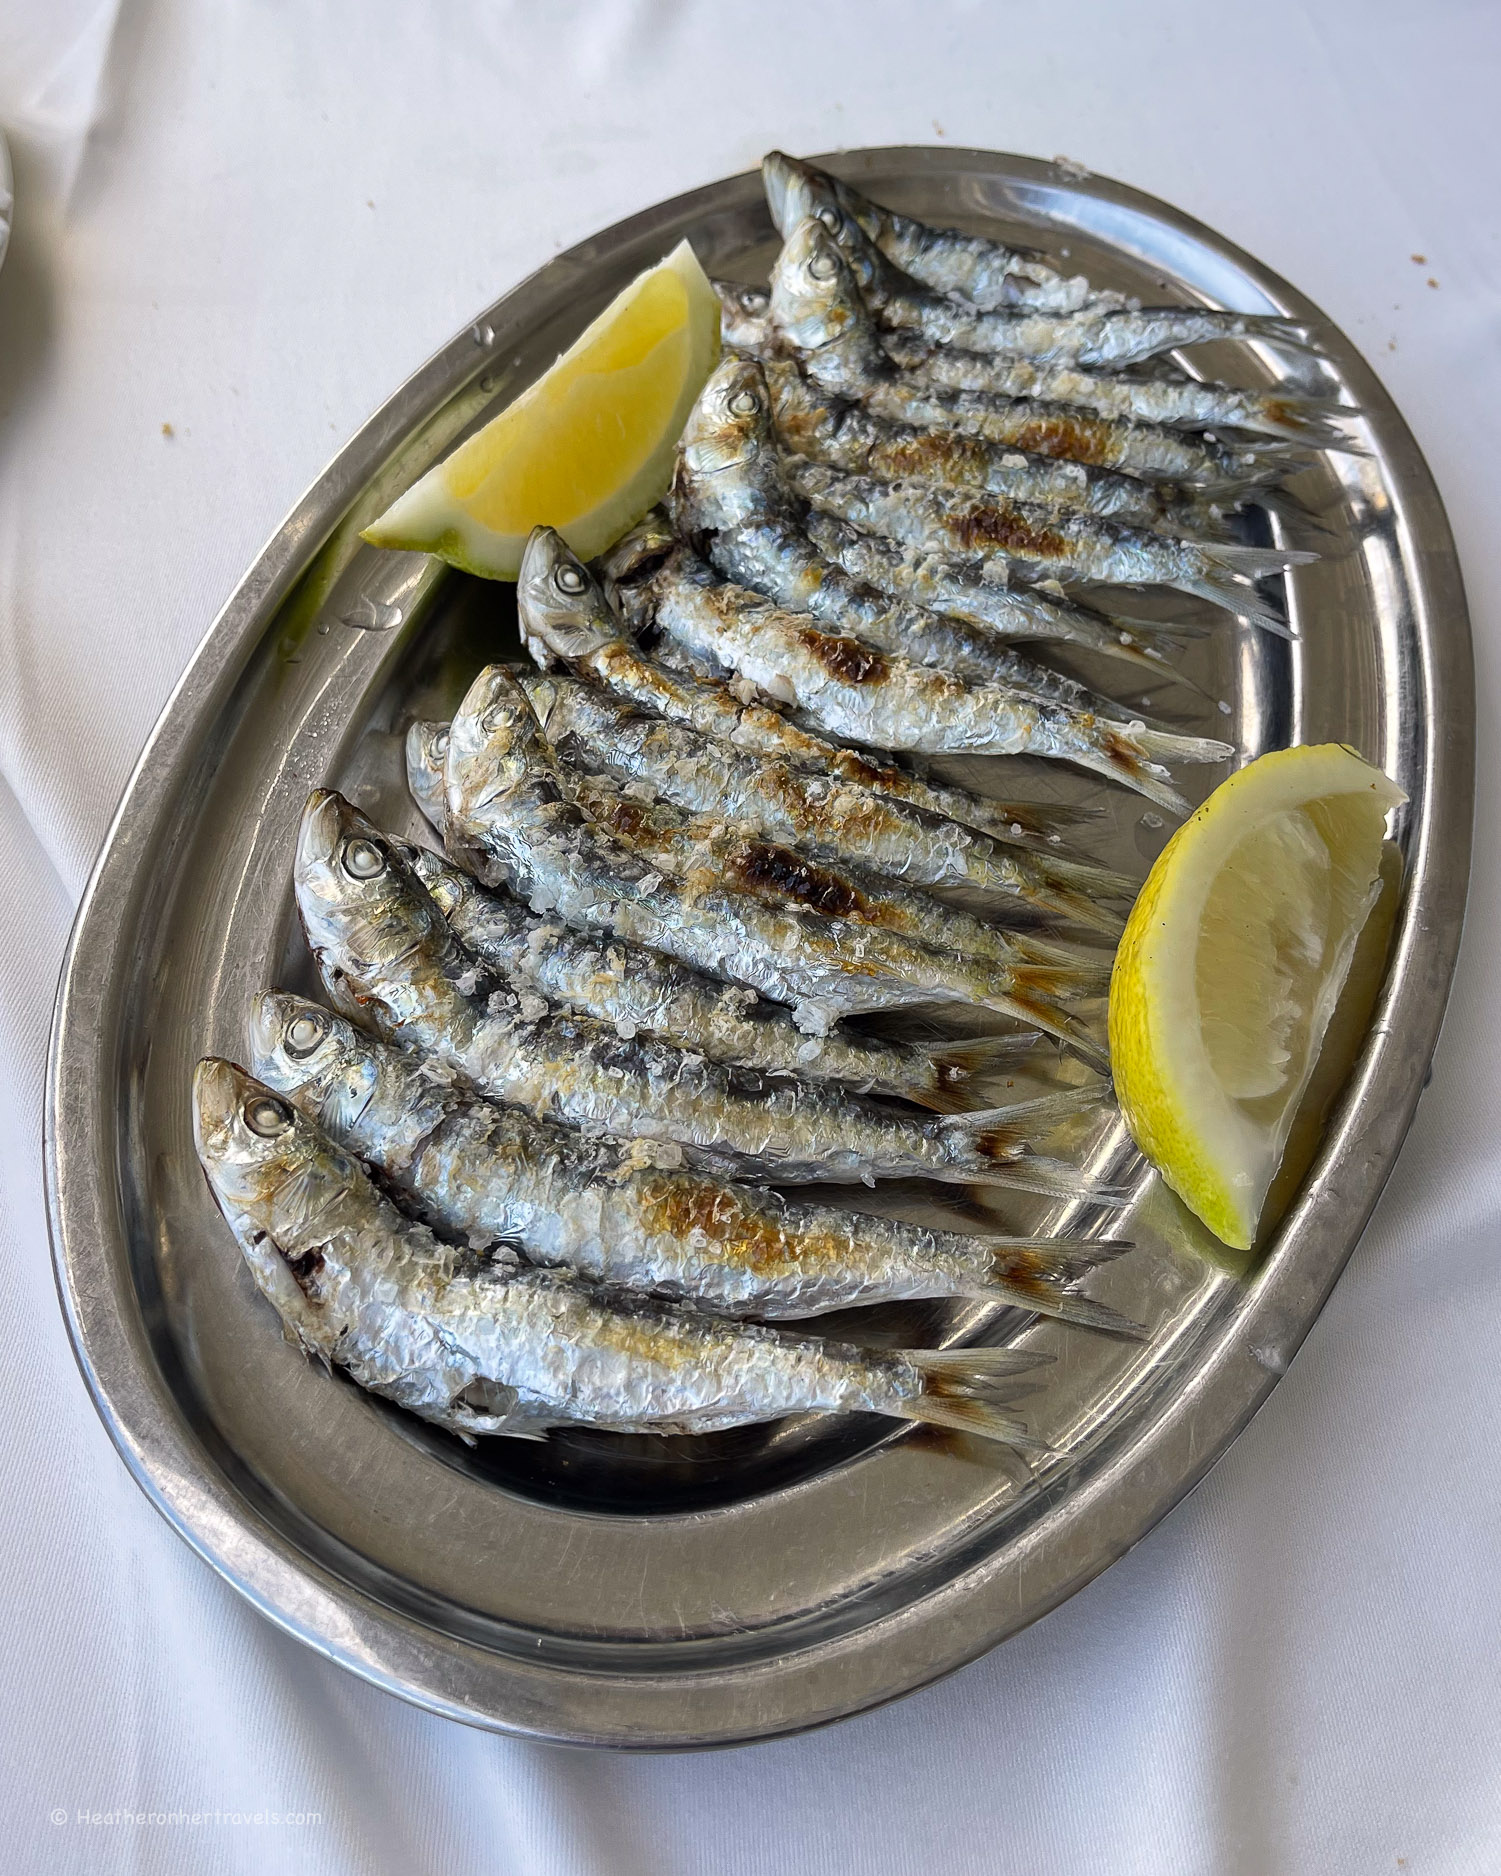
(587, 449)
(1230, 967)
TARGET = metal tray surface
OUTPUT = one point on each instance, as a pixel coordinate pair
(646, 1593)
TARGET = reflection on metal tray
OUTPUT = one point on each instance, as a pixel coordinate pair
(651, 1593)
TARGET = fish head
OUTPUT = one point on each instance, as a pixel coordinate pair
(297, 1045)
(815, 301)
(798, 193)
(742, 315)
(727, 466)
(426, 750)
(256, 1149)
(362, 907)
(496, 749)
(275, 1177)
(795, 189)
(448, 886)
(560, 606)
(639, 551)
(785, 181)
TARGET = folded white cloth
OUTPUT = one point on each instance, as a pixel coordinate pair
(237, 228)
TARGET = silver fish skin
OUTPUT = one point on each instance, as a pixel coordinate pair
(491, 1174)
(821, 320)
(961, 584)
(730, 486)
(577, 627)
(986, 273)
(382, 946)
(505, 794)
(638, 990)
(850, 690)
(1098, 335)
(462, 1342)
(829, 819)
(843, 434)
(1015, 973)
(1033, 542)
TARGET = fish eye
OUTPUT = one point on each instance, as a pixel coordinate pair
(363, 859)
(568, 578)
(743, 404)
(304, 1033)
(440, 743)
(823, 266)
(266, 1116)
(829, 217)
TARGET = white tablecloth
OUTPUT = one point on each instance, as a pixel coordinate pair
(239, 225)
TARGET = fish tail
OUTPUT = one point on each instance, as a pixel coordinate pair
(1256, 563)
(994, 1135)
(1223, 587)
(1046, 1014)
(1038, 1274)
(963, 1389)
(1088, 877)
(1291, 512)
(1078, 907)
(1056, 1179)
(953, 1073)
(1314, 420)
(1056, 971)
(1169, 746)
(1125, 756)
(1274, 329)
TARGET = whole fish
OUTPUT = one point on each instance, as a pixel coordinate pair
(491, 1174)
(565, 618)
(634, 990)
(849, 689)
(962, 584)
(1093, 335)
(382, 947)
(820, 319)
(843, 434)
(986, 273)
(506, 795)
(1179, 403)
(463, 1341)
(1033, 542)
(830, 819)
(730, 487)
(988, 965)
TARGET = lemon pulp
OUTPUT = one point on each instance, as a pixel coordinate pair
(1230, 967)
(587, 449)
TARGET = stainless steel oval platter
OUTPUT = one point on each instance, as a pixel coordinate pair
(661, 1593)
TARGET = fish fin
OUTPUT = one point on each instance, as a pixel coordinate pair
(1078, 908)
(1256, 563)
(1001, 1133)
(1088, 877)
(960, 1386)
(1054, 973)
(1311, 420)
(1038, 1275)
(1172, 747)
(1274, 329)
(962, 1069)
(1056, 1179)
